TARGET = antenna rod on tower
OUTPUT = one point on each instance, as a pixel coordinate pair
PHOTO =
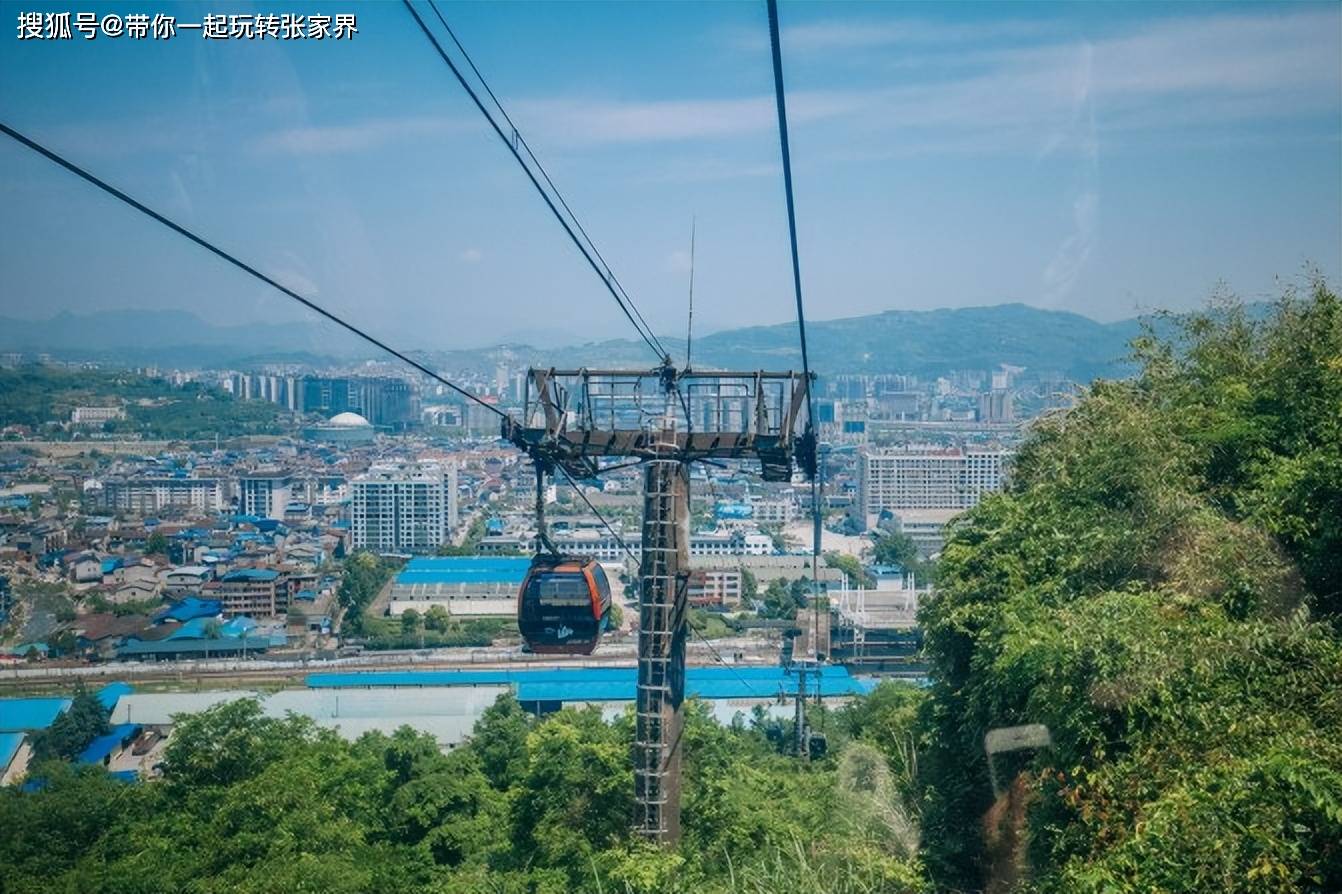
(689, 326)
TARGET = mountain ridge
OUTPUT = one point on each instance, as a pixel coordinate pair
(921, 342)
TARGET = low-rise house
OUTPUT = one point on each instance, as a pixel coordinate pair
(132, 591)
(86, 569)
(185, 580)
(101, 633)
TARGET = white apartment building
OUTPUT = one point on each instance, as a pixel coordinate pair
(145, 495)
(772, 510)
(942, 479)
(264, 494)
(404, 507)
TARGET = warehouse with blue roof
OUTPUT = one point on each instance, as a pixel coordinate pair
(466, 586)
(20, 717)
(542, 690)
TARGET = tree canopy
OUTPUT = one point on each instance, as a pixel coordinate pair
(72, 731)
(1159, 585)
(259, 804)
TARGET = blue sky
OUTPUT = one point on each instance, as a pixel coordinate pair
(1103, 159)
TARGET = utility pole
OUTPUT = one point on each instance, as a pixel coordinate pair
(668, 418)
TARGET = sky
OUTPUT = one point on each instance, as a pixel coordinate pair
(1102, 159)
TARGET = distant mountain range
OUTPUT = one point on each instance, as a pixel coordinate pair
(925, 343)
(175, 338)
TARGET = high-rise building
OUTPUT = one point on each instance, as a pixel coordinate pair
(947, 479)
(385, 402)
(264, 494)
(997, 406)
(282, 390)
(404, 507)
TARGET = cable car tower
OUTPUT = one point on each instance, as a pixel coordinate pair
(669, 418)
(665, 417)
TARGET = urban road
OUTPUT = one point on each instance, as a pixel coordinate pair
(740, 652)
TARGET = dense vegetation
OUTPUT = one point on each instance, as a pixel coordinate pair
(251, 804)
(1161, 587)
(40, 396)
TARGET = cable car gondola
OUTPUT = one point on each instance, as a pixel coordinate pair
(564, 605)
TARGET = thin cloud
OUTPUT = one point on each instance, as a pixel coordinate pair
(292, 279)
(587, 122)
(357, 136)
(1173, 74)
(472, 255)
(832, 35)
(678, 261)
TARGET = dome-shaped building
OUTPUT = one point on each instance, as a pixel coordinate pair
(349, 420)
(342, 428)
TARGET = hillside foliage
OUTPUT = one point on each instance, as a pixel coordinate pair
(250, 803)
(1160, 586)
(42, 396)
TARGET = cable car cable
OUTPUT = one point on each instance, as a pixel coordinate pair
(777, 52)
(517, 134)
(647, 336)
(241, 265)
(787, 188)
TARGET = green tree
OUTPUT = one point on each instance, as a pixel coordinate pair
(362, 576)
(437, 619)
(500, 740)
(157, 544)
(781, 600)
(72, 731)
(576, 793)
(894, 548)
(750, 587)
(852, 569)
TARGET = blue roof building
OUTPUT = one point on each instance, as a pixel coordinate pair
(103, 747)
(464, 569)
(261, 575)
(546, 689)
(9, 746)
(27, 714)
(22, 649)
(189, 608)
(110, 694)
(468, 586)
(733, 511)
